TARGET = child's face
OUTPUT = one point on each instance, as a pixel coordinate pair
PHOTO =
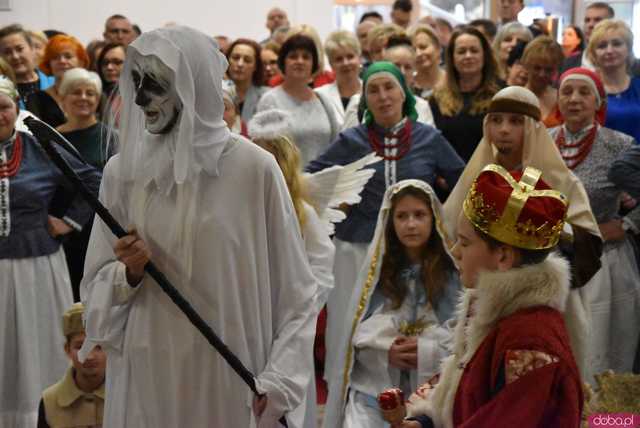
(506, 132)
(413, 222)
(94, 365)
(472, 253)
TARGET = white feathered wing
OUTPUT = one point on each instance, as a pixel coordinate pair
(337, 185)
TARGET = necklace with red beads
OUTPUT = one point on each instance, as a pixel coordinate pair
(583, 147)
(10, 167)
(403, 144)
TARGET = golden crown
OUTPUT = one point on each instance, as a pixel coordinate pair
(508, 227)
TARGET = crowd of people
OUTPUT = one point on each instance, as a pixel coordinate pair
(443, 213)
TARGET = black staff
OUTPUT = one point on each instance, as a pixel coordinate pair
(45, 134)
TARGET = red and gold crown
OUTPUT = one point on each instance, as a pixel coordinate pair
(516, 208)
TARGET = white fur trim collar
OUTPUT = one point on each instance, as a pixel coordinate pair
(498, 295)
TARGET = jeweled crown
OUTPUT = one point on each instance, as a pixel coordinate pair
(518, 209)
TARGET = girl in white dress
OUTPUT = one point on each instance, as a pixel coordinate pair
(313, 196)
(399, 314)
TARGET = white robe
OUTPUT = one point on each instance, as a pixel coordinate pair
(372, 340)
(360, 348)
(251, 283)
(320, 251)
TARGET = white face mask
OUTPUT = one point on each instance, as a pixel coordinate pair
(155, 91)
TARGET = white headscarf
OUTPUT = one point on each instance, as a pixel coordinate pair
(197, 140)
(8, 88)
(363, 290)
(540, 152)
(191, 149)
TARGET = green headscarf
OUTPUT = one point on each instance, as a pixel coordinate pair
(409, 105)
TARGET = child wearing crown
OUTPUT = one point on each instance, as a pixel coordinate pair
(512, 364)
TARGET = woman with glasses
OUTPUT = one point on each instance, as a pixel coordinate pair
(110, 63)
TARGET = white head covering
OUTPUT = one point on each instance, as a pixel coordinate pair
(363, 290)
(540, 152)
(8, 88)
(197, 140)
(195, 143)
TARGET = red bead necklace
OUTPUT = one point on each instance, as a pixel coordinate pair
(11, 167)
(584, 146)
(403, 145)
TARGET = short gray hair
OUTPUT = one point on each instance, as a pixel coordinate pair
(79, 75)
(341, 39)
(509, 30)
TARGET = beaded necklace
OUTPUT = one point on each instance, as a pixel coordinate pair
(403, 145)
(10, 167)
(583, 146)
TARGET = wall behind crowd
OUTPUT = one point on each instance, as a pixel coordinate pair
(85, 18)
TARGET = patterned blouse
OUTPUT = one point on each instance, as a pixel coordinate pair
(604, 195)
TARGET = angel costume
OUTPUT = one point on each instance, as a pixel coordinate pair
(540, 152)
(373, 325)
(323, 192)
(214, 210)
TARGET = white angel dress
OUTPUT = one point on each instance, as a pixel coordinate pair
(374, 324)
(327, 190)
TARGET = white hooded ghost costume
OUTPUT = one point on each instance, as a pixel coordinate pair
(215, 212)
